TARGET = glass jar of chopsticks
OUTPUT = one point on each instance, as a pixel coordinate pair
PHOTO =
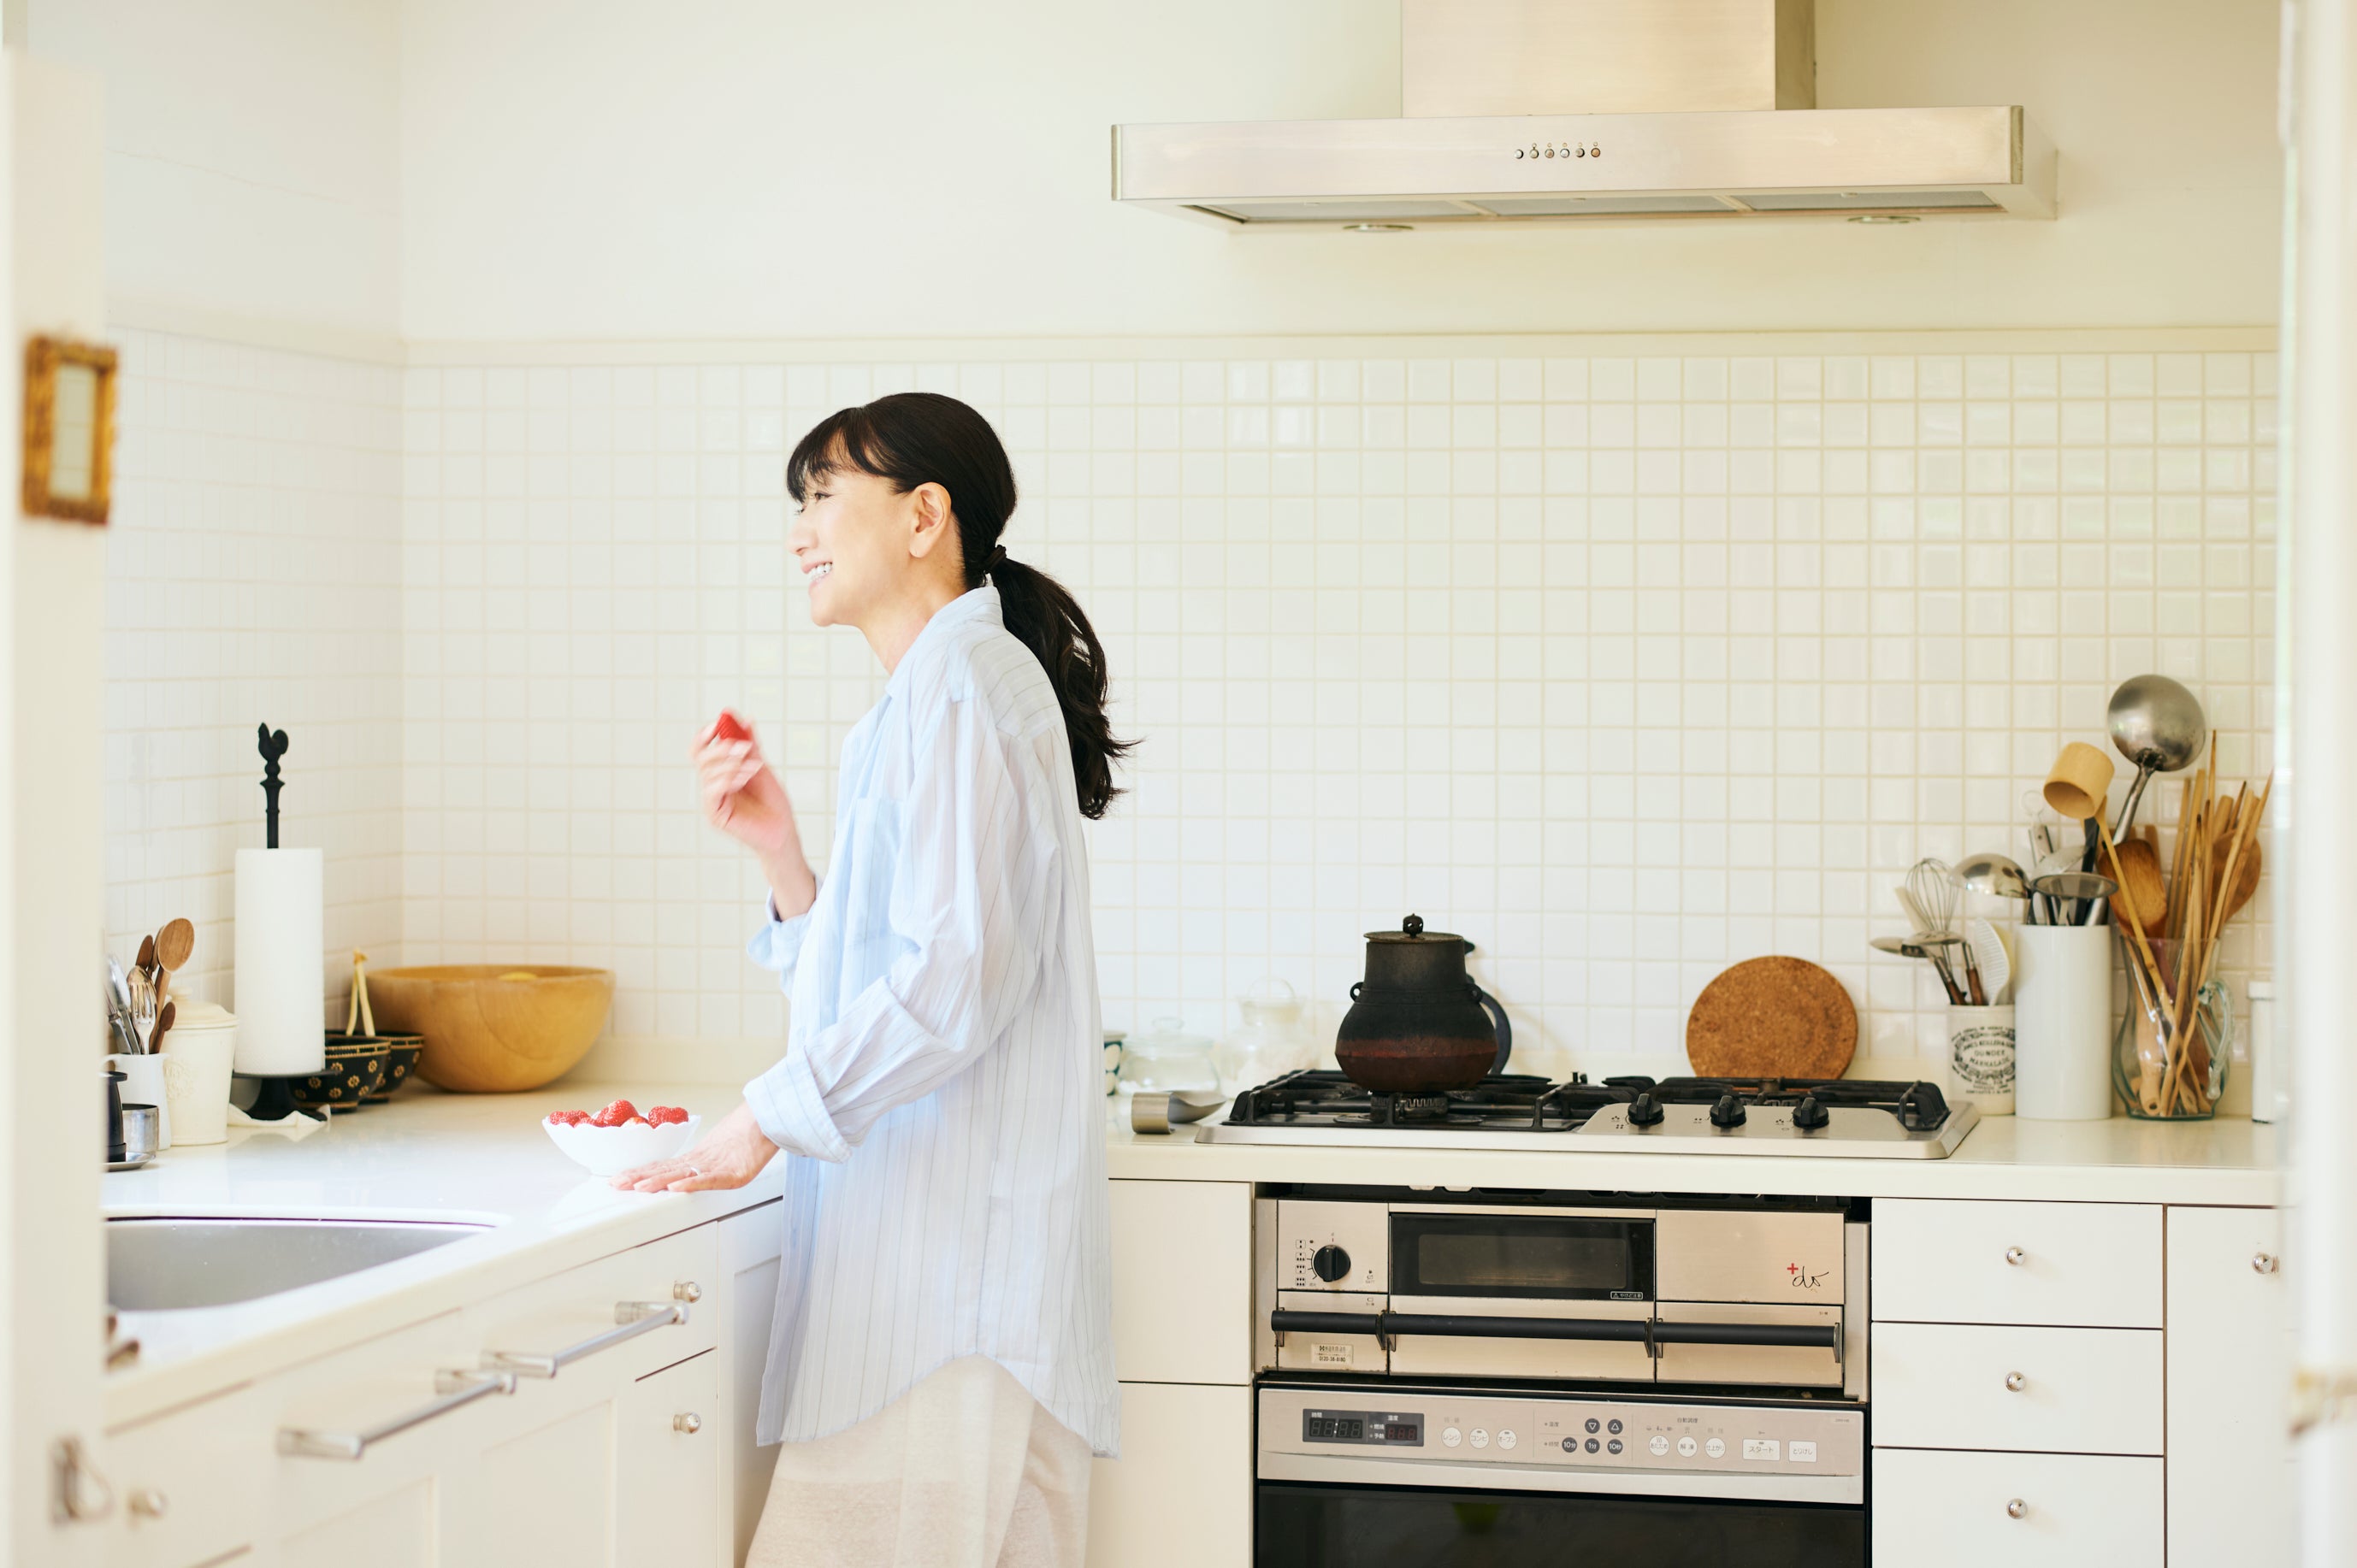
(2168, 1063)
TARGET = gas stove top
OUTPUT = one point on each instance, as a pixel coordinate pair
(1852, 1117)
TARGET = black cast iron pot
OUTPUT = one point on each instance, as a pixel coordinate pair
(1419, 1024)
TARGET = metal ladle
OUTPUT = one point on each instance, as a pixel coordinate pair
(2158, 725)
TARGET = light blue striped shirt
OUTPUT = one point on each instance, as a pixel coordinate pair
(940, 1100)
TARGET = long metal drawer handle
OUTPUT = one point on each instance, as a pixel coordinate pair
(458, 1389)
(636, 1317)
(1384, 1325)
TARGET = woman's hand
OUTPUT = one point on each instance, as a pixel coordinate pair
(729, 1156)
(744, 800)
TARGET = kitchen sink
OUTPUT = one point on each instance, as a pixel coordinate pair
(161, 1263)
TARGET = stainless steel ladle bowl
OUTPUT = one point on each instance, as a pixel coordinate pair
(2158, 725)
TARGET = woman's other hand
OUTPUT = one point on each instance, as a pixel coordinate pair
(729, 1156)
(743, 798)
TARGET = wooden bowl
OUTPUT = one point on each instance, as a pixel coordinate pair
(494, 1028)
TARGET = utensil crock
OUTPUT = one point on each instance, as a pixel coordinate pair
(1419, 1024)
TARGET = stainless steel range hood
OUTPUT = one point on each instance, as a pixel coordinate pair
(1588, 111)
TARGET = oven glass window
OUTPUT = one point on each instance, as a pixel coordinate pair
(1297, 1526)
(1531, 1256)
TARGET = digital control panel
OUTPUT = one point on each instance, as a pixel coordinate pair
(1388, 1429)
(1602, 1434)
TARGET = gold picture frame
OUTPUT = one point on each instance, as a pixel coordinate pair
(69, 460)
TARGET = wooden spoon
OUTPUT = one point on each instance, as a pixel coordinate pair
(175, 945)
(2141, 888)
(164, 1021)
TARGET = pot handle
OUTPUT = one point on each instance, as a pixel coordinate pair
(1497, 1016)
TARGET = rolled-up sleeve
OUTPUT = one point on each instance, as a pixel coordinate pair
(777, 945)
(973, 894)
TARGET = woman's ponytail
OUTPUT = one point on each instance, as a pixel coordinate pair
(917, 438)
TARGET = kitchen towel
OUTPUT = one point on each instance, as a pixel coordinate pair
(281, 971)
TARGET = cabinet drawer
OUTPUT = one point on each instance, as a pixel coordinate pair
(2091, 1264)
(2056, 1390)
(1959, 1511)
(580, 1304)
(1182, 1282)
(189, 1485)
(1181, 1496)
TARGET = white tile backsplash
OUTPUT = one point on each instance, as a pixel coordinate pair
(252, 573)
(1627, 667)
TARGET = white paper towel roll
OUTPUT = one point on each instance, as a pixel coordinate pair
(280, 978)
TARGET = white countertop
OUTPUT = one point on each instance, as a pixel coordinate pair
(425, 1156)
(2228, 1161)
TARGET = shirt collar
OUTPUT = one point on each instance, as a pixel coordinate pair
(976, 604)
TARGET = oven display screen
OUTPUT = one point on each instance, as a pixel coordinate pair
(1362, 1426)
(1530, 1257)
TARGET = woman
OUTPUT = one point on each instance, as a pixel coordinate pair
(942, 1364)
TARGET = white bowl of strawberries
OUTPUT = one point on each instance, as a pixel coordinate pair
(608, 1142)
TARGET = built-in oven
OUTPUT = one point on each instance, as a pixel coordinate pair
(1539, 1378)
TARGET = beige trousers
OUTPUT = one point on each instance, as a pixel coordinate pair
(966, 1470)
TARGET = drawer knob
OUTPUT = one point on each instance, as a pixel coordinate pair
(148, 1503)
(2016, 1509)
(2015, 1256)
(2016, 1382)
(2263, 1262)
(687, 1290)
(687, 1421)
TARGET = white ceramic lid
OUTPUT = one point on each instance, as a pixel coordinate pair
(188, 1014)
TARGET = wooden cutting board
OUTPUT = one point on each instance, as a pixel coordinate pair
(1772, 1017)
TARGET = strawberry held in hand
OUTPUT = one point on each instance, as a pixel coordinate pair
(728, 726)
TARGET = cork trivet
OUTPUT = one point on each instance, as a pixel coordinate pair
(1772, 1017)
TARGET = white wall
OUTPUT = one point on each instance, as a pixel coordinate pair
(251, 151)
(801, 168)
(1625, 664)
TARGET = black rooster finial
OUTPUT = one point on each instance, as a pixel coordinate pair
(273, 747)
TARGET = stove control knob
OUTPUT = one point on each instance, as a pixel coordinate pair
(1330, 1263)
(1727, 1112)
(1645, 1111)
(1811, 1114)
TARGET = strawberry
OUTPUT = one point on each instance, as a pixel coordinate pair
(568, 1118)
(728, 726)
(638, 1122)
(615, 1114)
(665, 1115)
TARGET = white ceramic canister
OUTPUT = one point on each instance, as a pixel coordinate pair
(2062, 1023)
(2269, 1088)
(197, 1060)
(1981, 1059)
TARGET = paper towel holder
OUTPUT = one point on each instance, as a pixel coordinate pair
(273, 746)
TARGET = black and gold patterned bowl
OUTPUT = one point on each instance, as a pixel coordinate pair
(354, 1070)
(401, 1052)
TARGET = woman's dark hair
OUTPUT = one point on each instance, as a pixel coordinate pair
(916, 438)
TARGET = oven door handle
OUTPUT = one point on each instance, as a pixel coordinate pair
(1806, 1335)
(1386, 1325)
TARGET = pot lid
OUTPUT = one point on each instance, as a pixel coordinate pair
(1412, 930)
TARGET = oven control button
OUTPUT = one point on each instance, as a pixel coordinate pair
(1727, 1112)
(1613, 1445)
(1480, 1437)
(1330, 1263)
(1609, 1426)
(1450, 1437)
(1594, 1425)
(1714, 1448)
(1506, 1439)
(1762, 1448)
(1686, 1447)
(1571, 1445)
(1660, 1445)
(1591, 1445)
(1800, 1453)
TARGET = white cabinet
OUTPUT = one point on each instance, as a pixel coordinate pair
(667, 1464)
(1181, 1495)
(185, 1486)
(2064, 1391)
(2017, 1510)
(2229, 1464)
(748, 1305)
(2095, 1265)
(1182, 1282)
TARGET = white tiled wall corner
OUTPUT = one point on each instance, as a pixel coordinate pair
(252, 575)
(1626, 668)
